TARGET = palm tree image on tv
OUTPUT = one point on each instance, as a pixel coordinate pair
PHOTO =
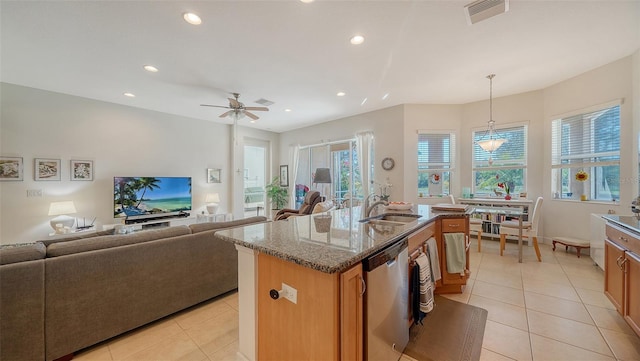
(138, 196)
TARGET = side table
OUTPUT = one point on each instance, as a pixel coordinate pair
(218, 217)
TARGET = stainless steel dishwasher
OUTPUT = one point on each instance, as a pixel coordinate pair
(386, 302)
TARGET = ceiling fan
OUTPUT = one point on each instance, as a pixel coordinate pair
(238, 109)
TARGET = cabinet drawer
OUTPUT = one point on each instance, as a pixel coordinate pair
(454, 225)
(623, 239)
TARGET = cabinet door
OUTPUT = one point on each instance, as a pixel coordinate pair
(632, 300)
(614, 274)
(351, 314)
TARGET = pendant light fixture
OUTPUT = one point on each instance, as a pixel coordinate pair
(493, 143)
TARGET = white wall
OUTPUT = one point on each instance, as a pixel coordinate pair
(121, 140)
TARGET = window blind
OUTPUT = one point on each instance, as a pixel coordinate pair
(436, 151)
(585, 140)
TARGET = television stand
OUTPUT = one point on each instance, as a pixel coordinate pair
(156, 218)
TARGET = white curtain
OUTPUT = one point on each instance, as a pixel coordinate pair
(294, 157)
(364, 144)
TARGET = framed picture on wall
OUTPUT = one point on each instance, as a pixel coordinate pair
(46, 169)
(284, 176)
(11, 169)
(82, 170)
(213, 175)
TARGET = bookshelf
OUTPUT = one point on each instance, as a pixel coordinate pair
(491, 222)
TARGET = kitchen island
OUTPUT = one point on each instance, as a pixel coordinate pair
(316, 264)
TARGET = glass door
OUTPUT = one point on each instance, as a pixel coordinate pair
(255, 177)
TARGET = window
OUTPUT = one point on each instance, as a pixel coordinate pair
(508, 164)
(586, 155)
(435, 163)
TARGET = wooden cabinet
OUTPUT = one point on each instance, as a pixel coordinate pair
(326, 323)
(622, 273)
(614, 275)
(632, 299)
(352, 289)
(451, 282)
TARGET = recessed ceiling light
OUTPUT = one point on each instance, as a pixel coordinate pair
(341, 94)
(384, 97)
(357, 39)
(287, 110)
(130, 95)
(192, 18)
(307, 1)
(252, 121)
(150, 68)
(363, 101)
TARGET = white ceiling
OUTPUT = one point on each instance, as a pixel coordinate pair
(299, 56)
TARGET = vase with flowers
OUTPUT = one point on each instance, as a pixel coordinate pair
(582, 176)
(507, 189)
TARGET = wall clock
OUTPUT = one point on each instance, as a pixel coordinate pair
(388, 163)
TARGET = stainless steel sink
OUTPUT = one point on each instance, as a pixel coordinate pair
(403, 218)
(391, 219)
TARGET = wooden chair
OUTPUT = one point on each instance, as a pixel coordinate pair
(529, 229)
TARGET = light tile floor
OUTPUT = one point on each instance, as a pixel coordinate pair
(549, 310)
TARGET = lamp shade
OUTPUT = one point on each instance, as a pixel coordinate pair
(323, 175)
(62, 221)
(212, 198)
(491, 145)
(60, 208)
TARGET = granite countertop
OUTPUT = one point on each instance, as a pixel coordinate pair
(632, 223)
(305, 240)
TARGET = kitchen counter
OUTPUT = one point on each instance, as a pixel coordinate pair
(630, 223)
(301, 240)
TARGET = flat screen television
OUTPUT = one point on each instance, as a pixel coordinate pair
(147, 198)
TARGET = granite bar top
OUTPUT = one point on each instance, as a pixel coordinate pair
(631, 223)
(329, 242)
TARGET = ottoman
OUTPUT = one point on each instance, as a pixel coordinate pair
(579, 244)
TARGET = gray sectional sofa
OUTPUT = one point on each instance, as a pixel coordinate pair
(60, 296)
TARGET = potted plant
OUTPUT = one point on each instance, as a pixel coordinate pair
(277, 195)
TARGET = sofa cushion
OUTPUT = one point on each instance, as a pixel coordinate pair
(201, 227)
(13, 253)
(74, 236)
(116, 240)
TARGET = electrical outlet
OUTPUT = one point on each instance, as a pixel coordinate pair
(34, 192)
(290, 293)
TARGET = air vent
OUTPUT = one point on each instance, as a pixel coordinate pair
(484, 9)
(264, 102)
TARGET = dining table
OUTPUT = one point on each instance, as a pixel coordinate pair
(508, 212)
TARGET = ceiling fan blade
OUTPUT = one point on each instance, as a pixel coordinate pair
(250, 115)
(226, 114)
(262, 109)
(214, 106)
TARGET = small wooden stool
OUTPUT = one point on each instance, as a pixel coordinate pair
(579, 244)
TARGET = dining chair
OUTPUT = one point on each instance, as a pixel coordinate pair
(475, 225)
(529, 229)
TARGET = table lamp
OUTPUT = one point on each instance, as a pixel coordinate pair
(322, 175)
(212, 200)
(61, 210)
